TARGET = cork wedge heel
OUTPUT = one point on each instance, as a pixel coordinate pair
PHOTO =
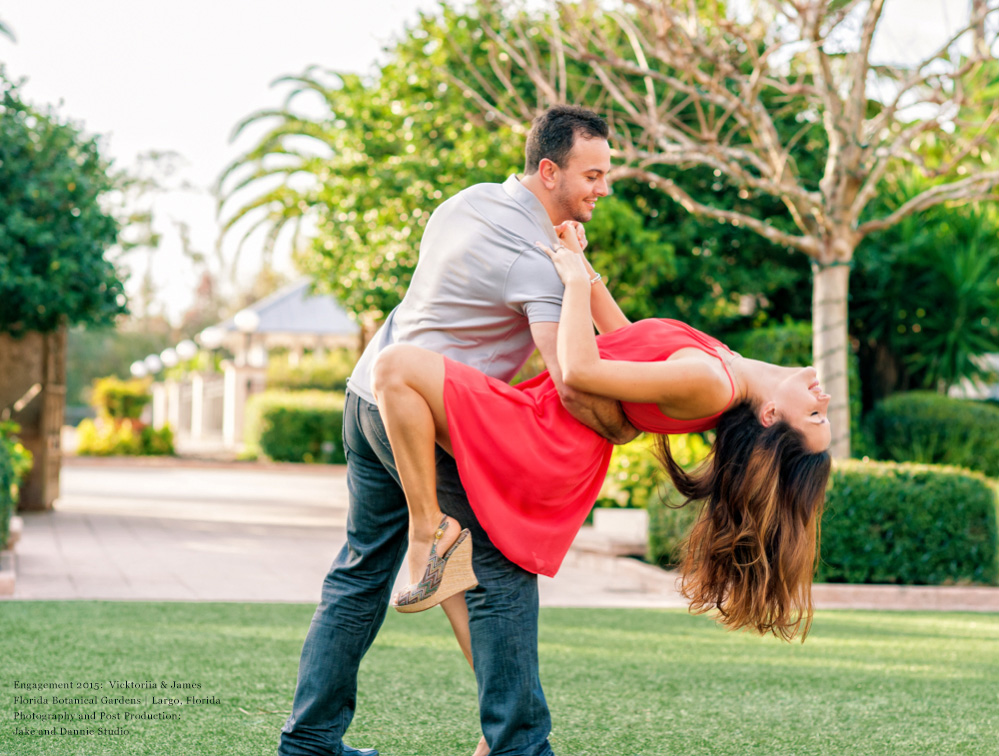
(444, 577)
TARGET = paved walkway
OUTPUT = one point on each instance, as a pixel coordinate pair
(180, 530)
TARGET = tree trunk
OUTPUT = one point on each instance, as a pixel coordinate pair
(829, 347)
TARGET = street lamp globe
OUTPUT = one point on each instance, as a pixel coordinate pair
(186, 349)
(169, 357)
(247, 320)
(212, 337)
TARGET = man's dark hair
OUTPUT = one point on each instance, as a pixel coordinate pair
(554, 132)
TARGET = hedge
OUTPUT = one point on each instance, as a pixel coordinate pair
(106, 437)
(120, 400)
(908, 524)
(921, 426)
(884, 523)
(635, 478)
(324, 372)
(668, 526)
(296, 426)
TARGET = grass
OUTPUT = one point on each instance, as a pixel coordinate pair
(619, 682)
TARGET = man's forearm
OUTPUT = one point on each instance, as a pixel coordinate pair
(600, 414)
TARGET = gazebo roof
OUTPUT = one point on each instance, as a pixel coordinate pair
(292, 316)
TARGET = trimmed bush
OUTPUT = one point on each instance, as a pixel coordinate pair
(668, 524)
(296, 426)
(15, 463)
(120, 400)
(635, 478)
(327, 372)
(125, 438)
(921, 426)
(908, 524)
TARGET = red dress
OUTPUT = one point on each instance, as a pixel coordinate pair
(530, 469)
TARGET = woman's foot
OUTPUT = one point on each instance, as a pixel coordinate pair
(482, 749)
(446, 571)
(422, 540)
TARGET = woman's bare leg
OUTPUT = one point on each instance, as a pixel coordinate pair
(408, 384)
(457, 612)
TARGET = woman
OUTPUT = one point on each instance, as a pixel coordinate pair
(532, 472)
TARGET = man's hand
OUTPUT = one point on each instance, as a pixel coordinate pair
(575, 227)
(598, 413)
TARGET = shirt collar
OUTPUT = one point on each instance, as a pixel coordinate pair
(525, 197)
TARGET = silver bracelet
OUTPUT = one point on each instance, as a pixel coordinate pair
(597, 278)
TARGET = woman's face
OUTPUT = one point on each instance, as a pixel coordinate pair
(800, 401)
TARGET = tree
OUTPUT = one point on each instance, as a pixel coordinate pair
(53, 229)
(687, 84)
(925, 309)
(367, 167)
(365, 172)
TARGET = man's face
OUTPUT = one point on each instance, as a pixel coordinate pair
(582, 180)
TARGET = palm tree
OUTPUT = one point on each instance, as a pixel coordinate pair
(277, 183)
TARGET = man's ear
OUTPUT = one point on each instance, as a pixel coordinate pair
(768, 414)
(548, 171)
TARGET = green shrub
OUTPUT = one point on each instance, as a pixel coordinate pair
(296, 426)
(326, 372)
(126, 438)
(668, 526)
(920, 426)
(15, 463)
(635, 478)
(908, 524)
(120, 400)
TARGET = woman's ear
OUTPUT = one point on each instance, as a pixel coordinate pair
(768, 414)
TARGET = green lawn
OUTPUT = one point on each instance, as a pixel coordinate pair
(620, 682)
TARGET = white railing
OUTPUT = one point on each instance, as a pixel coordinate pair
(207, 409)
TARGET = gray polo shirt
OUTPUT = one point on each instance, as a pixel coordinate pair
(479, 284)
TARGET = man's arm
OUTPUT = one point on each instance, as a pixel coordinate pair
(599, 413)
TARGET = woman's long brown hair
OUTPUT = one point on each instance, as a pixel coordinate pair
(752, 550)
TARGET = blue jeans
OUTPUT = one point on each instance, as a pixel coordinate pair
(503, 610)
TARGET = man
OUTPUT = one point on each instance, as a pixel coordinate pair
(485, 295)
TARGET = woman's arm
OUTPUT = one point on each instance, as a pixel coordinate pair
(683, 388)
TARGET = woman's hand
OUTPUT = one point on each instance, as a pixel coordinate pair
(572, 234)
(569, 264)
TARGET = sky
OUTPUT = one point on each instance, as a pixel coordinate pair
(177, 76)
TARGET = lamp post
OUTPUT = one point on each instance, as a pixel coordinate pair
(247, 321)
(211, 339)
(239, 379)
(153, 364)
